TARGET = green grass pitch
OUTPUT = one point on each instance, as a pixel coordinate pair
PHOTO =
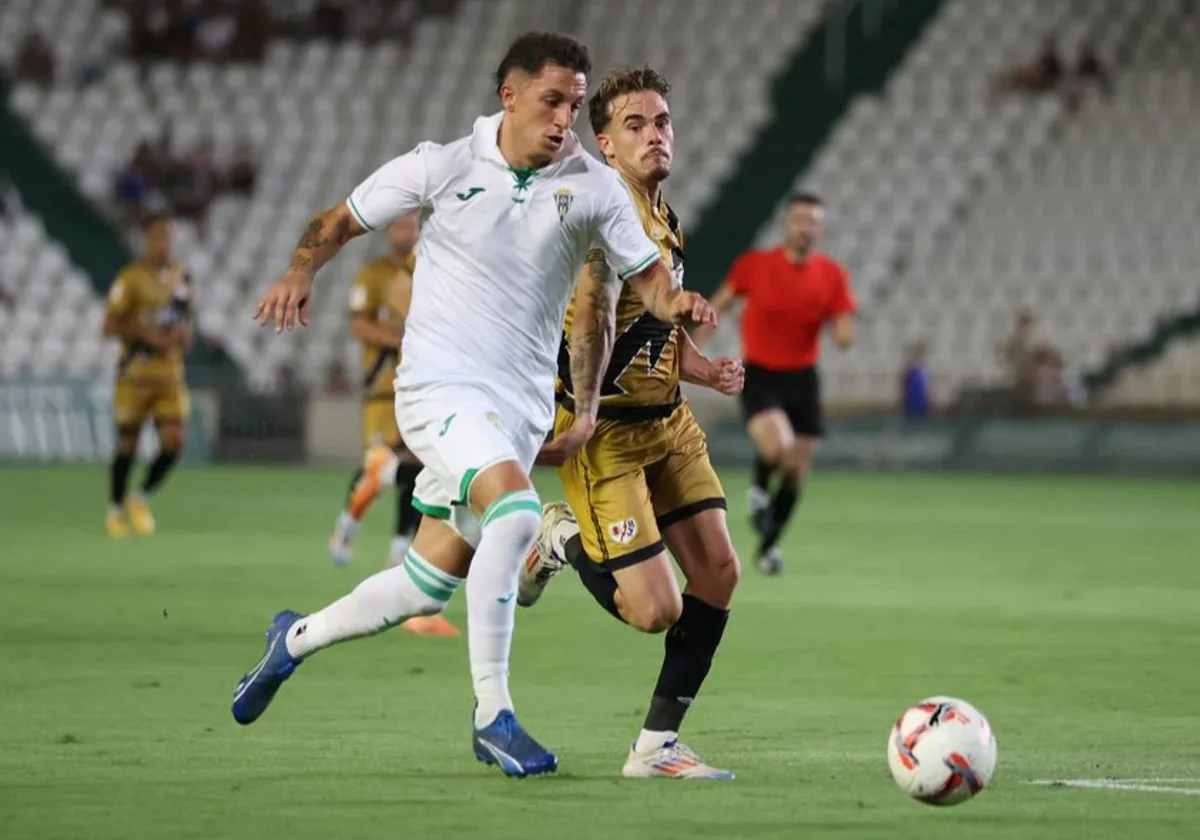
(1067, 609)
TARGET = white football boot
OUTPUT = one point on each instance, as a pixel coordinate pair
(671, 760)
(547, 556)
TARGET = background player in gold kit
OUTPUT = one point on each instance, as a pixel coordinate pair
(150, 312)
(379, 299)
(643, 483)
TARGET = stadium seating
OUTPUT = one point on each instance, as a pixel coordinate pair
(323, 115)
(51, 323)
(953, 209)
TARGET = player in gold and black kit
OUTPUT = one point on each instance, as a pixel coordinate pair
(150, 312)
(643, 483)
(379, 300)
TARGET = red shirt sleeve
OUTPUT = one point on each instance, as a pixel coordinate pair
(843, 302)
(742, 275)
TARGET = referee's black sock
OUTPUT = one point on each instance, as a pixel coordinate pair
(762, 473)
(690, 646)
(601, 585)
(783, 503)
(407, 516)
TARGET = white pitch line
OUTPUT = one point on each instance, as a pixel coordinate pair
(1135, 785)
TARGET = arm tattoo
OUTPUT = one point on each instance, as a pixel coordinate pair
(592, 337)
(313, 235)
(319, 243)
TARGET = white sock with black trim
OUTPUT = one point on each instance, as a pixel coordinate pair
(508, 528)
(387, 598)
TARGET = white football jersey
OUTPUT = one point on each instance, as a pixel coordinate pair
(499, 255)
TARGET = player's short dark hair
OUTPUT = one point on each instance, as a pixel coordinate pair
(805, 197)
(534, 50)
(152, 219)
(618, 82)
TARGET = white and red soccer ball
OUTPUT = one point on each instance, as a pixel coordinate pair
(942, 751)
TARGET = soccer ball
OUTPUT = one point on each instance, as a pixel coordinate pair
(942, 751)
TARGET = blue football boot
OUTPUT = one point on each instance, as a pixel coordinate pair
(256, 689)
(505, 742)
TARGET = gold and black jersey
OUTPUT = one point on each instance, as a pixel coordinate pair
(642, 379)
(380, 292)
(151, 297)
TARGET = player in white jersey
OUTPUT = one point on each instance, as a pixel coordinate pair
(512, 211)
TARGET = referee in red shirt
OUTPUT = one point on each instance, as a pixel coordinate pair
(791, 293)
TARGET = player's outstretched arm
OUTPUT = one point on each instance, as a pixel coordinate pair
(724, 374)
(372, 332)
(722, 302)
(843, 331)
(286, 301)
(593, 333)
(667, 302)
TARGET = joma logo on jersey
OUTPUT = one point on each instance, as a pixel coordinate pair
(623, 531)
(562, 203)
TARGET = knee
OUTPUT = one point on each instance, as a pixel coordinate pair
(170, 439)
(658, 615)
(721, 577)
(127, 444)
(517, 515)
(772, 452)
(798, 462)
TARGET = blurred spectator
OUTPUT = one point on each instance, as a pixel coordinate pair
(194, 183)
(1089, 68)
(1052, 383)
(915, 396)
(329, 20)
(134, 182)
(337, 381)
(214, 30)
(253, 31)
(1019, 352)
(1090, 71)
(1043, 74)
(35, 60)
(242, 171)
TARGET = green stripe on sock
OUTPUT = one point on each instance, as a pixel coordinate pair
(432, 571)
(426, 585)
(507, 497)
(507, 504)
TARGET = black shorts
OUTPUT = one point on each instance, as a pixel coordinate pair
(796, 392)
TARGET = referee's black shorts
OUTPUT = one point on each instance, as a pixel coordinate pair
(796, 392)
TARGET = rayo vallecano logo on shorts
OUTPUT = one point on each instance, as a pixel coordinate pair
(562, 202)
(623, 531)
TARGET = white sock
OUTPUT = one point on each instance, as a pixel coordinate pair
(387, 475)
(348, 525)
(508, 527)
(649, 740)
(400, 546)
(561, 534)
(381, 601)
